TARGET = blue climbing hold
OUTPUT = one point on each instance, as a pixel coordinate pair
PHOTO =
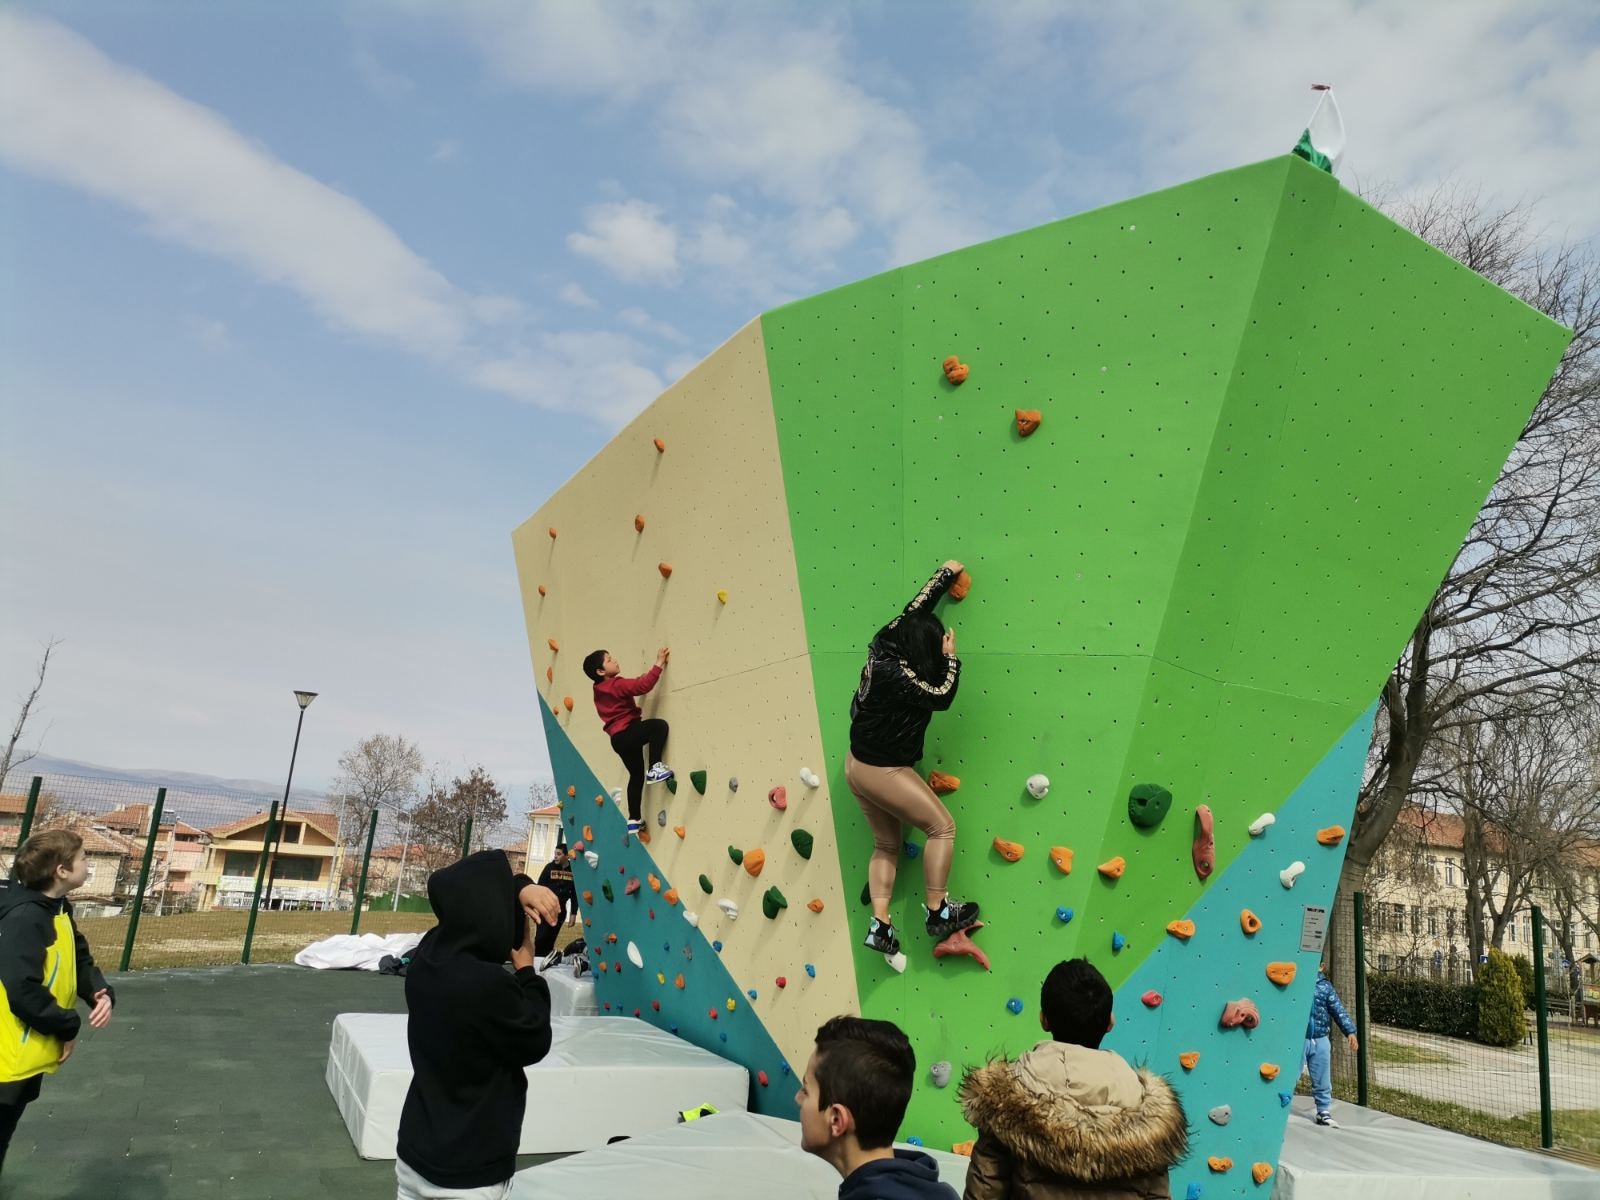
(913, 1140)
(1063, 915)
(784, 1068)
(912, 850)
(1284, 1098)
(1117, 943)
(811, 970)
(1193, 1193)
(673, 1028)
(751, 993)
(717, 946)
(666, 947)
(724, 1036)
(1014, 1005)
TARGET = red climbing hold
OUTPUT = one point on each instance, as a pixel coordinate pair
(961, 942)
(712, 1012)
(1151, 999)
(1205, 844)
(631, 887)
(1240, 1014)
(761, 1078)
(665, 569)
(656, 1004)
(778, 797)
(783, 981)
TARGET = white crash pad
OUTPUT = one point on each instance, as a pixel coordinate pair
(570, 996)
(603, 1077)
(732, 1154)
(347, 952)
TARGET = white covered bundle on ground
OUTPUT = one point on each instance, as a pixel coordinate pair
(356, 952)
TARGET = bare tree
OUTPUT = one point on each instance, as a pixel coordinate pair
(13, 756)
(440, 819)
(1517, 614)
(380, 772)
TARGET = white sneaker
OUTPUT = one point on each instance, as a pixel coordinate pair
(1326, 1121)
(659, 773)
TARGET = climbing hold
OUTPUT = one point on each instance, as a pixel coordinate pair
(542, 590)
(554, 645)
(681, 831)
(722, 595)
(712, 1013)
(698, 778)
(733, 783)
(1204, 851)
(940, 1072)
(661, 976)
(1331, 836)
(1261, 824)
(717, 946)
(1284, 1098)
(1192, 1192)
(778, 797)
(1289, 874)
(1113, 868)
(588, 898)
(1014, 1005)
(605, 890)
(897, 960)
(802, 843)
(654, 881)
(1269, 1071)
(1038, 786)
(960, 588)
(588, 833)
(1151, 999)
(656, 1004)
(961, 942)
(566, 703)
(593, 859)
(1281, 973)
(666, 569)
(962, 1148)
(1148, 804)
(661, 817)
(1221, 1114)
(1062, 858)
(1117, 942)
(672, 785)
(1028, 420)
(638, 523)
(736, 854)
(1240, 1014)
(732, 1004)
(809, 777)
(913, 1140)
(692, 917)
(643, 835)
(1219, 1165)
(1182, 930)
(631, 888)
(729, 908)
(1010, 851)
(661, 447)
(705, 884)
(572, 791)
(599, 800)
(611, 939)
(1261, 1172)
(1188, 1059)
(814, 904)
(549, 674)
(552, 533)
(670, 895)
(634, 956)
(866, 894)
(1063, 915)
(782, 981)
(943, 784)
(761, 1078)
(912, 849)
(772, 903)
(811, 970)
(754, 860)
(1249, 922)
(955, 370)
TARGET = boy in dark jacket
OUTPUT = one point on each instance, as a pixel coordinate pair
(45, 969)
(1326, 1010)
(638, 743)
(852, 1099)
(1067, 1118)
(472, 1030)
(557, 876)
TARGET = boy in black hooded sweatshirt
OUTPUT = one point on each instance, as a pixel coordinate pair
(472, 1030)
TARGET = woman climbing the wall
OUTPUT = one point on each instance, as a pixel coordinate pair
(912, 671)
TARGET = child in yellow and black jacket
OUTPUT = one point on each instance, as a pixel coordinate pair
(45, 969)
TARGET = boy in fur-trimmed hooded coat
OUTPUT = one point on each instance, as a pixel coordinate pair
(1068, 1119)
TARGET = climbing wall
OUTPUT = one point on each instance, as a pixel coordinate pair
(1210, 452)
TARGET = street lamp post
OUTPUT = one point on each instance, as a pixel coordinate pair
(304, 699)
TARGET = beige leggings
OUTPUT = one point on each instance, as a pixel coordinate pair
(890, 797)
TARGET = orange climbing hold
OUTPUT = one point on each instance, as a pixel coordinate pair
(661, 447)
(678, 982)
(1331, 836)
(1113, 868)
(1188, 1059)
(1010, 851)
(588, 833)
(573, 791)
(955, 370)
(960, 588)
(670, 895)
(549, 674)
(1261, 1172)
(665, 569)
(680, 831)
(1281, 973)
(1028, 420)
(643, 835)
(1062, 858)
(754, 860)
(612, 938)
(1269, 1071)
(552, 533)
(943, 784)
(638, 523)
(542, 592)
(555, 646)
(588, 898)
(599, 800)
(566, 703)
(1249, 922)
(1182, 930)
(962, 1148)
(1219, 1164)
(654, 881)
(815, 905)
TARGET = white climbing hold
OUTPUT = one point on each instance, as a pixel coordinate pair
(1038, 786)
(1261, 824)
(809, 777)
(1289, 874)
(897, 960)
(729, 908)
(692, 917)
(634, 956)
(593, 859)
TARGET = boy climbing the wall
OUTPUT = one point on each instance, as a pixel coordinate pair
(852, 1099)
(638, 742)
(45, 969)
(1068, 1118)
(1326, 1009)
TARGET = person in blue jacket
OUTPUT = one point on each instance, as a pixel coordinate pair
(1326, 1011)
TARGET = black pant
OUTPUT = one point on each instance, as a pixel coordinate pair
(639, 746)
(544, 939)
(14, 1097)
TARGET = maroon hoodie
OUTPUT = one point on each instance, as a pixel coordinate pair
(613, 699)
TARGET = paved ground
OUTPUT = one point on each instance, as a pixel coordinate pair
(208, 1083)
(1504, 1083)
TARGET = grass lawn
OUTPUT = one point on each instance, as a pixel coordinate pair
(1576, 1130)
(1384, 1051)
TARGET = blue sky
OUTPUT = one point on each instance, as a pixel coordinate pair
(305, 307)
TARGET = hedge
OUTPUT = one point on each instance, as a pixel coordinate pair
(1426, 1005)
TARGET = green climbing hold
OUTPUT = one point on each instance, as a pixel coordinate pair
(773, 902)
(736, 854)
(705, 885)
(866, 895)
(1148, 804)
(672, 785)
(698, 778)
(802, 843)
(605, 890)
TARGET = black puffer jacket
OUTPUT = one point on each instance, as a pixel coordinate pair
(893, 704)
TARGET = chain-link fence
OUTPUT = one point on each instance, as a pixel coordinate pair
(1503, 1048)
(186, 877)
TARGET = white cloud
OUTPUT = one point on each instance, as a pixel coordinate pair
(574, 294)
(629, 239)
(383, 81)
(645, 323)
(593, 372)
